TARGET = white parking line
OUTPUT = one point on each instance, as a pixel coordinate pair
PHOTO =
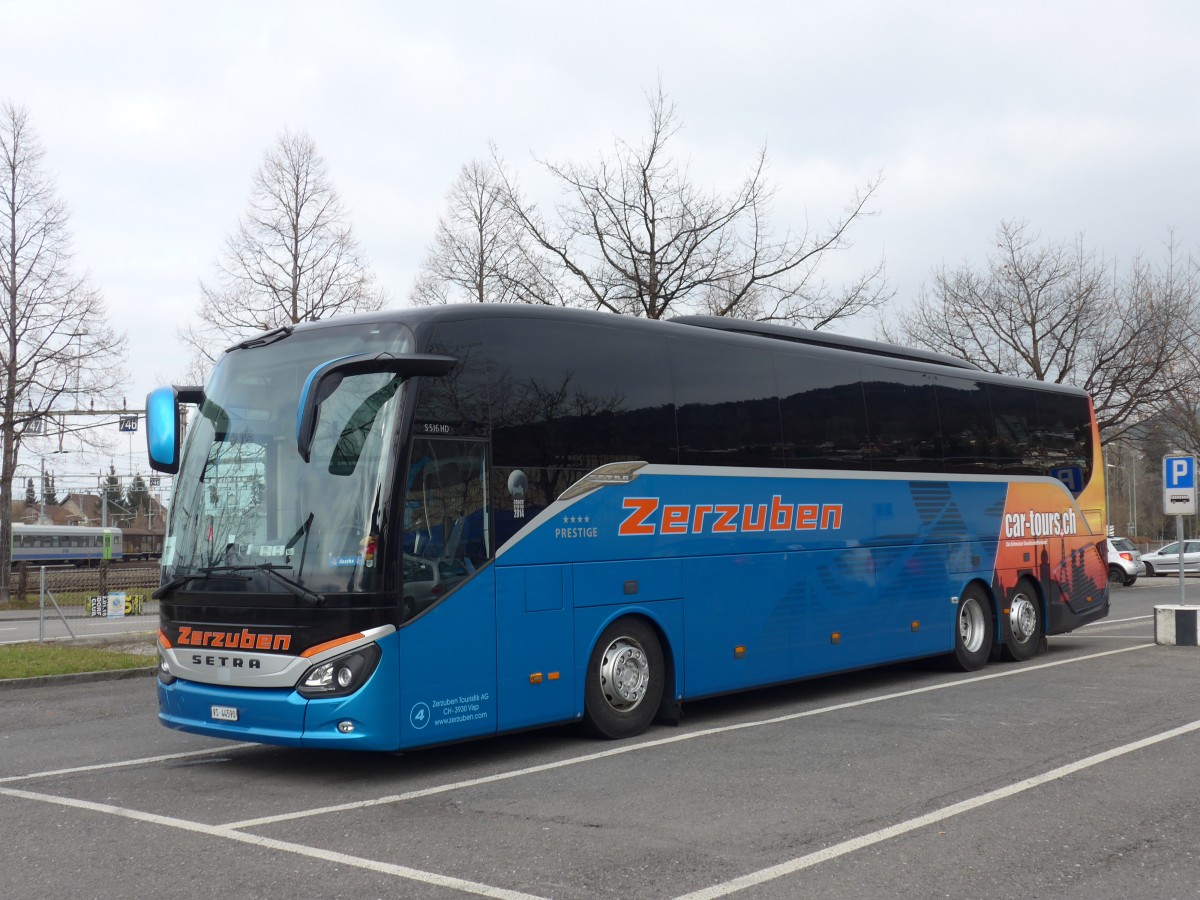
(1104, 622)
(342, 859)
(660, 742)
(166, 757)
(946, 812)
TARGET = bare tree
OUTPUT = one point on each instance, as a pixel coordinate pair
(1058, 312)
(294, 257)
(634, 234)
(55, 337)
(481, 252)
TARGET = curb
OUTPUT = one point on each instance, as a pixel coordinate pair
(12, 684)
(1177, 626)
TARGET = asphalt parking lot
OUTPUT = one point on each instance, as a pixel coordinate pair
(1072, 775)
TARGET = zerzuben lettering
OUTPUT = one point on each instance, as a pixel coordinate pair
(232, 640)
(649, 515)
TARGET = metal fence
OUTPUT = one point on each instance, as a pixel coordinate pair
(56, 602)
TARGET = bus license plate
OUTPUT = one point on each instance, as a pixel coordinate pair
(225, 713)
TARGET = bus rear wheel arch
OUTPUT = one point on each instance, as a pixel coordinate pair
(1021, 630)
(625, 677)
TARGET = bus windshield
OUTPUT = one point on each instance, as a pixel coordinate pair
(247, 510)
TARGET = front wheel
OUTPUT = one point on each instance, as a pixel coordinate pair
(974, 630)
(1023, 622)
(625, 678)
(1150, 573)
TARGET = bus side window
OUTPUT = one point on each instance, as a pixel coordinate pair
(1012, 413)
(727, 405)
(824, 415)
(968, 431)
(902, 420)
(556, 409)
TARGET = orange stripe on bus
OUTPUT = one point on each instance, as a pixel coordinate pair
(329, 645)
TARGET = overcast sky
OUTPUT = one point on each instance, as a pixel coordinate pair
(1079, 117)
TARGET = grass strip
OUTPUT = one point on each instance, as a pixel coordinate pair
(33, 660)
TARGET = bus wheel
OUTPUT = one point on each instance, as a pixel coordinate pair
(1023, 623)
(624, 680)
(974, 630)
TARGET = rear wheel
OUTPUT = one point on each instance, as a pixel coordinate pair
(1023, 622)
(625, 678)
(1132, 579)
(1116, 575)
(974, 630)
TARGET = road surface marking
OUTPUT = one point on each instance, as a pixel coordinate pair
(833, 852)
(660, 742)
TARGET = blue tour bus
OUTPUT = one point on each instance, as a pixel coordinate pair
(431, 525)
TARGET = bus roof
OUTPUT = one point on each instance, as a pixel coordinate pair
(715, 326)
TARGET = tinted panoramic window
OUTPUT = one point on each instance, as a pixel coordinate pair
(1063, 429)
(727, 411)
(824, 418)
(902, 420)
(458, 403)
(561, 398)
(578, 396)
(968, 430)
(1038, 430)
(1014, 412)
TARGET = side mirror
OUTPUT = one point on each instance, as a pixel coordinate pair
(163, 422)
(325, 378)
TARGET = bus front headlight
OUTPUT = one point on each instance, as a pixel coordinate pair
(341, 675)
(164, 668)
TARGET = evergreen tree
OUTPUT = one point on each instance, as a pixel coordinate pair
(138, 496)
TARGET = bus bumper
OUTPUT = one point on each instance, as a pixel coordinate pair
(1064, 619)
(365, 720)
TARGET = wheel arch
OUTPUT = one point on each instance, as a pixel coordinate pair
(665, 619)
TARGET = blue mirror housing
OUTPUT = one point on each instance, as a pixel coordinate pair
(163, 425)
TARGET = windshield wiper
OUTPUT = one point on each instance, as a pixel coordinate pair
(269, 337)
(271, 571)
(310, 597)
(176, 583)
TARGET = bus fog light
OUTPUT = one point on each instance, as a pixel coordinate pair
(341, 675)
(346, 727)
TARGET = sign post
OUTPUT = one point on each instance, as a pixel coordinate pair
(1179, 498)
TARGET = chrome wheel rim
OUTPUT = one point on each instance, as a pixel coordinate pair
(970, 626)
(624, 674)
(1022, 618)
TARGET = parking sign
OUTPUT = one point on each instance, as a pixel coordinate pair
(1179, 485)
(1071, 476)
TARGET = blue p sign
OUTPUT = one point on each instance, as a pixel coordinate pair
(1071, 476)
(1179, 485)
(1179, 472)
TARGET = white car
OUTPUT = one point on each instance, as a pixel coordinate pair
(1166, 560)
(1124, 561)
